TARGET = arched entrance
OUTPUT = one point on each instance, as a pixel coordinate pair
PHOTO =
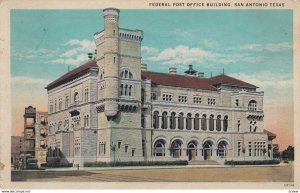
(176, 148)
(192, 150)
(207, 150)
(222, 149)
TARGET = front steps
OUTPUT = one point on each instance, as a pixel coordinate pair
(203, 162)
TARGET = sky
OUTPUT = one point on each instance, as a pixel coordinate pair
(255, 46)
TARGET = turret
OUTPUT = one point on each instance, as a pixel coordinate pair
(111, 61)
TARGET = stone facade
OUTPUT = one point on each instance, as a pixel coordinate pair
(113, 109)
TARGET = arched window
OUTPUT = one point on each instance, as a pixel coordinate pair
(155, 120)
(159, 148)
(196, 122)
(101, 76)
(129, 91)
(121, 89)
(225, 123)
(189, 121)
(76, 98)
(211, 123)
(173, 120)
(125, 92)
(180, 121)
(218, 123)
(204, 122)
(176, 149)
(126, 74)
(60, 104)
(143, 121)
(252, 105)
(222, 149)
(207, 150)
(164, 120)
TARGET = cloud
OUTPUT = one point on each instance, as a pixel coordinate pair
(76, 52)
(71, 61)
(29, 80)
(181, 55)
(209, 43)
(34, 54)
(149, 50)
(268, 47)
(267, 80)
(187, 55)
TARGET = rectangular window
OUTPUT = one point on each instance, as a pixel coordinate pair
(237, 102)
(102, 148)
(250, 149)
(132, 152)
(167, 97)
(86, 95)
(67, 102)
(126, 148)
(153, 96)
(239, 149)
(119, 144)
(182, 99)
(211, 101)
(197, 100)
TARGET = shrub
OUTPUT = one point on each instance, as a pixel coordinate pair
(57, 165)
(258, 162)
(135, 163)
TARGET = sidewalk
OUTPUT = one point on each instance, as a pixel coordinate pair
(159, 167)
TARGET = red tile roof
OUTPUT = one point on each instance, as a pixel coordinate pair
(269, 133)
(72, 74)
(193, 82)
(227, 80)
(178, 80)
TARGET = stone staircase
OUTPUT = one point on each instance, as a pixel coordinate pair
(203, 162)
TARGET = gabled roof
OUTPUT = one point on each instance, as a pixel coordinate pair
(178, 80)
(227, 80)
(72, 74)
(269, 133)
(193, 82)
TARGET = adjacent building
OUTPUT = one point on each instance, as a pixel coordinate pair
(113, 109)
(17, 148)
(41, 139)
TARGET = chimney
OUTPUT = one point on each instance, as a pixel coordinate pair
(172, 70)
(90, 56)
(144, 67)
(201, 74)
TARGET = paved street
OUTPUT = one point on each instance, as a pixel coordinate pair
(182, 174)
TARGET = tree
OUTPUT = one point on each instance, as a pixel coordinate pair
(288, 154)
(276, 153)
(113, 148)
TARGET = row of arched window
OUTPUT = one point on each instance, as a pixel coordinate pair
(204, 123)
(192, 148)
(126, 89)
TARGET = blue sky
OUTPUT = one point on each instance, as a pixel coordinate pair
(253, 45)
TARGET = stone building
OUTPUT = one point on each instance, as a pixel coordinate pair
(17, 148)
(113, 109)
(41, 137)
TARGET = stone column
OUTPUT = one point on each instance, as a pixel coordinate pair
(215, 124)
(221, 125)
(184, 123)
(192, 123)
(168, 123)
(200, 124)
(207, 124)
